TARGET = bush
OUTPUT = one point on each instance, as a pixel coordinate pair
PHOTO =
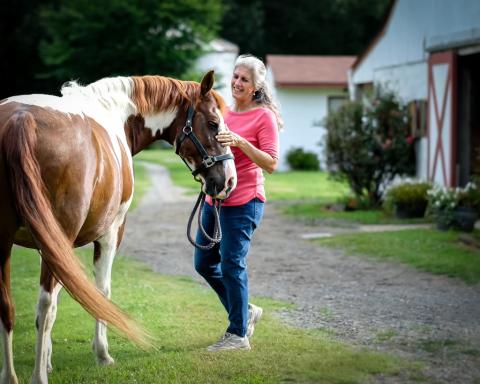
(370, 146)
(409, 199)
(355, 203)
(301, 160)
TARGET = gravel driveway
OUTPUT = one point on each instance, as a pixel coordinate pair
(384, 306)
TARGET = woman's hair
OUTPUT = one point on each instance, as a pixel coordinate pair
(262, 95)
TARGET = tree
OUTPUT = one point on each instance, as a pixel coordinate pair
(20, 34)
(87, 40)
(302, 27)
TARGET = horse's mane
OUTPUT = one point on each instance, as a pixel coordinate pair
(146, 94)
(111, 92)
(156, 93)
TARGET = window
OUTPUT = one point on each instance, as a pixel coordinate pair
(335, 102)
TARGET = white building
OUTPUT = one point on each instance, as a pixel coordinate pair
(220, 55)
(307, 87)
(429, 51)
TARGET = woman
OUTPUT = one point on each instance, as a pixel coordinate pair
(253, 123)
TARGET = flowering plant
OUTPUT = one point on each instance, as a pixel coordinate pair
(407, 197)
(443, 202)
(469, 196)
(442, 199)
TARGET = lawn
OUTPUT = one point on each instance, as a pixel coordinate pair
(184, 317)
(296, 185)
(318, 212)
(142, 183)
(427, 249)
(179, 172)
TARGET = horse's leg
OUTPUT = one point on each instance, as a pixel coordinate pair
(7, 376)
(104, 253)
(46, 314)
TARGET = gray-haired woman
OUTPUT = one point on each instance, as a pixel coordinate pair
(253, 122)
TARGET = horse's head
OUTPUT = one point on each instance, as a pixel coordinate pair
(211, 163)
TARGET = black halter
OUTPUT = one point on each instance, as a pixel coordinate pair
(187, 133)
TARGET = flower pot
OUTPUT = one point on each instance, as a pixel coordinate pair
(410, 211)
(464, 218)
(443, 220)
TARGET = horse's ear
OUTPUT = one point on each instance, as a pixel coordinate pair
(207, 82)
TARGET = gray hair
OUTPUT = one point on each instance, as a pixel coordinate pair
(263, 95)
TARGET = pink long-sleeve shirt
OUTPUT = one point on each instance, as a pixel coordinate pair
(259, 127)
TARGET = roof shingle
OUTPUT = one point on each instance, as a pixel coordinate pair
(310, 71)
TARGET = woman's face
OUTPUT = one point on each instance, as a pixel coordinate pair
(242, 85)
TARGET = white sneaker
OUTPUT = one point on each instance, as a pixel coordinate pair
(230, 341)
(254, 314)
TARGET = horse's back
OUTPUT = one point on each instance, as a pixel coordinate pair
(77, 165)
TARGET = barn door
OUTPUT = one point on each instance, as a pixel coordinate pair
(442, 119)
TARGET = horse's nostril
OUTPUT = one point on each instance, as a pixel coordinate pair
(230, 182)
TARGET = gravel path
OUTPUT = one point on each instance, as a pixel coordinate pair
(384, 306)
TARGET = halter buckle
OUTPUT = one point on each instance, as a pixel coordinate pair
(208, 162)
(187, 130)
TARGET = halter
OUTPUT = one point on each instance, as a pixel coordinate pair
(187, 133)
(207, 162)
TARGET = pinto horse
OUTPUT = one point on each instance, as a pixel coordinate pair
(66, 179)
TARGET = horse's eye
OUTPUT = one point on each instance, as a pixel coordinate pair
(213, 125)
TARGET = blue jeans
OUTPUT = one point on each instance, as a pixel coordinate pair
(224, 266)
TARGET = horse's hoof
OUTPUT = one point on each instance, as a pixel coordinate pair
(49, 369)
(105, 360)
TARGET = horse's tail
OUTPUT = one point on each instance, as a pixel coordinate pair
(34, 208)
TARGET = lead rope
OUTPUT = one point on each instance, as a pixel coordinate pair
(217, 230)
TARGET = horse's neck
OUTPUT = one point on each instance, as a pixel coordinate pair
(140, 135)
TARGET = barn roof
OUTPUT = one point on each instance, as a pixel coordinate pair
(310, 71)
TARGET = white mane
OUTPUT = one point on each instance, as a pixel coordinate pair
(113, 93)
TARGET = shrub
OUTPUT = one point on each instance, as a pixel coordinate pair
(469, 197)
(355, 203)
(409, 199)
(301, 160)
(369, 146)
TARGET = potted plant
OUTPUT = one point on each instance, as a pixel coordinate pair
(442, 202)
(409, 199)
(468, 206)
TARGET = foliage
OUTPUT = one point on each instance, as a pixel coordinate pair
(469, 197)
(88, 40)
(408, 196)
(355, 203)
(300, 160)
(426, 249)
(20, 33)
(444, 200)
(277, 27)
(266, 26)
(369, 145)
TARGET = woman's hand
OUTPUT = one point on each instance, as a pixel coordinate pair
(229, 139)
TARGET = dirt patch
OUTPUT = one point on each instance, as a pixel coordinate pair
(383, 306)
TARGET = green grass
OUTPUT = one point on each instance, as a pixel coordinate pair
(142, 183)
(427, 249)
(180, 174)
(319, 212)
(184, 317)
(303, 185)
(295, 185)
